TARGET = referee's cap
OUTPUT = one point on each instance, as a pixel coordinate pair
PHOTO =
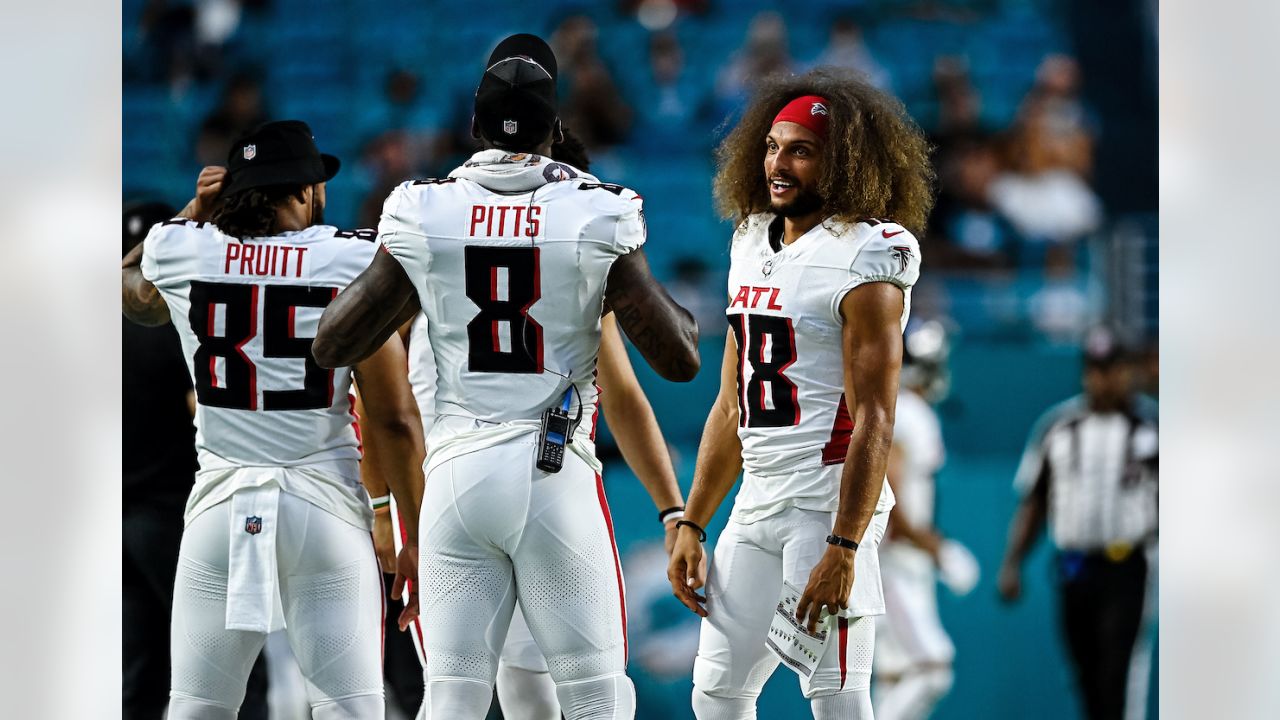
(1102, 348)
(516, 105)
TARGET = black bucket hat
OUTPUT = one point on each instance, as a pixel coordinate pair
(277, 153)
(516, 105)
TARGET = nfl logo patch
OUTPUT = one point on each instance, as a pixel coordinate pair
(253, 524)
(509, 127)
(250, 152)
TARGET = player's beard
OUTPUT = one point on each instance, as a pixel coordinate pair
(806, 202)
(317, 212)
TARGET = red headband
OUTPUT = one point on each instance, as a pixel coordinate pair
(808, 111)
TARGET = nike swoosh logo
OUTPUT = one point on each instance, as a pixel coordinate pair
(888, 234)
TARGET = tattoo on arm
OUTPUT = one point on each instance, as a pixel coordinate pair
(139, 299)
(665, 333)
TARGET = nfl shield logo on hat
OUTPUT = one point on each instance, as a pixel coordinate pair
(253, 524)
(250, 152)
(509, 127)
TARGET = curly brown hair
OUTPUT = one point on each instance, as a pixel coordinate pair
(252, 213)
(875, 158)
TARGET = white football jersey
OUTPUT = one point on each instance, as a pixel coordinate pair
(784, 311)
(246, 313)
(512, 287)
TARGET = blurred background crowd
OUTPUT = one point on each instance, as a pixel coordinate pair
(1043, 114)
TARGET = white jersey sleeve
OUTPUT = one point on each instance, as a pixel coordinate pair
(889, 253)
(399, 231)
(631, 230)
(168, 260)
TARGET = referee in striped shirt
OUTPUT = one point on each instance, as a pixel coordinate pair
(1091, 469)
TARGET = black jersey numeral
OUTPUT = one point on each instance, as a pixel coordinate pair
(768, 344)
(504, 283)
(236, 387)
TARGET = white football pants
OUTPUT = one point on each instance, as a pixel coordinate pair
(495, 530)
(744, 582)
(330, 593)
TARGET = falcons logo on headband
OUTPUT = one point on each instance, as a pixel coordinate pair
(818, 109)
(902, 254)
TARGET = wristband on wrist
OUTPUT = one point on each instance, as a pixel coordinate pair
(842, 542)
(671, 513)
(379, 503)
(702, 534)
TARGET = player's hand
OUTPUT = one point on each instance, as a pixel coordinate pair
(1009, 583)
(829, 586)
(208, 188)
(384, 541)
(406, 572)
(669, 537)
(687, 571)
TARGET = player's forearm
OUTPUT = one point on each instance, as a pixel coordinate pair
(140, 301)
(355, 327)
(394, 445)
(643, 447)
(864, 472)
(665, 333)
(719, 462)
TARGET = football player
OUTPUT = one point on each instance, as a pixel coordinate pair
(819, 294)
(277, 524)
(913, 651)
(513, 259)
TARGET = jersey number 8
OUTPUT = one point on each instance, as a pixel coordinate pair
(504, 282)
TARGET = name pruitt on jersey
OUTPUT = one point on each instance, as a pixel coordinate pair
(265, 260)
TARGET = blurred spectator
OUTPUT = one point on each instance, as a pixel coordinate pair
(1091, 469)
(966, 163)
(240, 109)
(589, 96)
(403, 106)
(388, 160)
(1049, 154)
(1061, 308)
(672, 106)
(765, 52)
(845, 48)
(695, 288)
(166, 34)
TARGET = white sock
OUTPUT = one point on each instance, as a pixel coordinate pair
(527, 694)
(612, 697)
(915, 694)
(712, 707)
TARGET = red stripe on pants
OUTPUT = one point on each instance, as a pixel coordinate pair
(843, 623)
(617, 564)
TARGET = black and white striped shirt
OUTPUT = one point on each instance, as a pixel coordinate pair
(1101, 473)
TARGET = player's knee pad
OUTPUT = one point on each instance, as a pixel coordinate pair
(715, 707)
(849, 705)
(526, 694)
(182, 707)
(358, 707)
(602, 698)
(460, 698)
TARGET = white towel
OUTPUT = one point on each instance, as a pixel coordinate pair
(251, 572)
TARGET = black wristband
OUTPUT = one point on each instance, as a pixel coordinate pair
(842, 542)
(662, 516)
(702, 534)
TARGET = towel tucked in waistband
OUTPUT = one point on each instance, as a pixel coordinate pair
(252, 576)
